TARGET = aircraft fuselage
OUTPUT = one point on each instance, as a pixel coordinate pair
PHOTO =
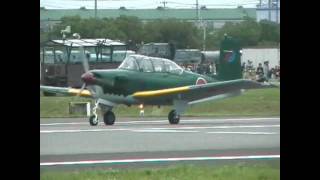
(125, 82)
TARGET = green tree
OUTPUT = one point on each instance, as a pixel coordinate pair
(248, 32)
(270, 31)
(43, 37)
(182, 34)
(131, 27)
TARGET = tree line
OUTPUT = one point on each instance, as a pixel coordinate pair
(182, 33)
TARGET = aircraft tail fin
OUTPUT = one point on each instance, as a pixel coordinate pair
(229, 64)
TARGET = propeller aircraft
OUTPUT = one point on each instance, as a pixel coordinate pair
(158, 81)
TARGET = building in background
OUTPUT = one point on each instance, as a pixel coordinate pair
(268, 10)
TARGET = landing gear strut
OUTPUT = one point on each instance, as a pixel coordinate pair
(93, 120)
(109, 118)
(173, 117)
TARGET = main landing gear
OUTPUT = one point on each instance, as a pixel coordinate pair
(108, 117)
(174, 117)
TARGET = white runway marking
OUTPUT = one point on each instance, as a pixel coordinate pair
(163, 131)
(154, 129)
(160, 160)
(58, 124)
(222, 127)
(247, 133)
(81, 130)
(165, 121)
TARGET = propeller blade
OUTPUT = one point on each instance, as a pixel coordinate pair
(84, 59)
(82, 88)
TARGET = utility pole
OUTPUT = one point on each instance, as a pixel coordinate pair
(277, 11)
(197, 9)
(164, 4)
(201, 24)
(95, 9)
(269, 9)
(204, 36)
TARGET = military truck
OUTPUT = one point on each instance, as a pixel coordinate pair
(61, 60)
(162, 50)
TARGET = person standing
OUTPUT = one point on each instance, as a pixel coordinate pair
(249, 69)
(243, 66)
(266, 70)
(211, 68)
(141, 110)
(272, 73)
(259, 73)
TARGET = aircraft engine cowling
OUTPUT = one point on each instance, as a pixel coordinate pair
(118, 86)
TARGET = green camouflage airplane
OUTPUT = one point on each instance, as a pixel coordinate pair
(157, 81)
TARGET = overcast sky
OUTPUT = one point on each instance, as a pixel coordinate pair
(145, 4)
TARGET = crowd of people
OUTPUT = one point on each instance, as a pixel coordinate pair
(261, 73)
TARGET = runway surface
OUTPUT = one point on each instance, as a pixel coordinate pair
(71, 141)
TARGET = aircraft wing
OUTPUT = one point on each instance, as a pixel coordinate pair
(66, 91)
(196, 93)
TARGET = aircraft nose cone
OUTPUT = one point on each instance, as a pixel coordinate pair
(88, 78)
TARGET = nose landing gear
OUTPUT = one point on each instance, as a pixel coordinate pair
(93, 120)
(108, 116)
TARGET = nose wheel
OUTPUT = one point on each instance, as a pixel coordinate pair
(93, 120)
(108, 119)
(173, 117)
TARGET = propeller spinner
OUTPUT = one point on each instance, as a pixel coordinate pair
(88, 78)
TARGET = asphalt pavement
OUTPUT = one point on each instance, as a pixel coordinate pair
(72, 141)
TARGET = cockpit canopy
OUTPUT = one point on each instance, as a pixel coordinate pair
(150, 64)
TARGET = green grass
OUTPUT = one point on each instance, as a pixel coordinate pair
(185, 172)
(263, 102)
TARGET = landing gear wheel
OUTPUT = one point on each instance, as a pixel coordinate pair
(93, 120)
(109, 118)
(173, 117)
